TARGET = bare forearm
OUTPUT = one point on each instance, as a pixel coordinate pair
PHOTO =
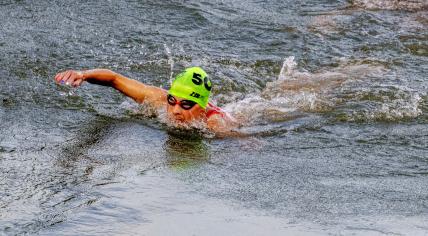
(131, 88)
(101, 77)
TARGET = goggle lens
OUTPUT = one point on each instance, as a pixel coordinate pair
(185, 104)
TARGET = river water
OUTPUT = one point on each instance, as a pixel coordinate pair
(333, 94)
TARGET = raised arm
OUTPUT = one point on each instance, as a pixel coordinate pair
(129, 87)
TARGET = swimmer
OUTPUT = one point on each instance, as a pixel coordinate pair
(186, 102)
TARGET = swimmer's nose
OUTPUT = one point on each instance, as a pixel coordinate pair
(176, 110)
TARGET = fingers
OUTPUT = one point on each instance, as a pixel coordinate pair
(58, 77)
(77, 83)
(69, 77)
(62, 77)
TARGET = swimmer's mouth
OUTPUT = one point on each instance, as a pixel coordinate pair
(179, 119)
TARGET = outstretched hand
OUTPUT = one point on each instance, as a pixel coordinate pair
(70, 77)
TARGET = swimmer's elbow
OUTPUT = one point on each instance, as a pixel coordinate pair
(103, 77)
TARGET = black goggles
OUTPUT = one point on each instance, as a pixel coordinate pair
(185, 104)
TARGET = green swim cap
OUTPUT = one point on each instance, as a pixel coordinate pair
(192, 84)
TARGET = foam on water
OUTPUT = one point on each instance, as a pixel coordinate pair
(295, 92)
(274, 103)
(346, 90)
(398, 109)
(392, 103)
(411, 5)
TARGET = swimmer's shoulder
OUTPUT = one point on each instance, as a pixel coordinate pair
(154, 96)
(218, 119)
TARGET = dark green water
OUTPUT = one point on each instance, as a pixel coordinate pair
(337, 139)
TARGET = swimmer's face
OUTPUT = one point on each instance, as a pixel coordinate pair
(182, 110)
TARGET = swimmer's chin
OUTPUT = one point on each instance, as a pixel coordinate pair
(185, 124)
(179, 121)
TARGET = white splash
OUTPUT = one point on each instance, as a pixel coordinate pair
(404, 104)
(170, 62)
(410, 5)
(287, 68)
(296, 92)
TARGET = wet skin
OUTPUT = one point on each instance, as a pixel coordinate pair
(154, 96)
(178, 114)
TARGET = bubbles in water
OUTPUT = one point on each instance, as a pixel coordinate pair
(67, 90)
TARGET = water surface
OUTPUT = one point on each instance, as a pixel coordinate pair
(336, 137)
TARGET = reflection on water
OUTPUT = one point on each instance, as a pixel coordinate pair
(184, 151)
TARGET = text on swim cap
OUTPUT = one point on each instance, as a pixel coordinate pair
(198, 81)
(196, 95)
